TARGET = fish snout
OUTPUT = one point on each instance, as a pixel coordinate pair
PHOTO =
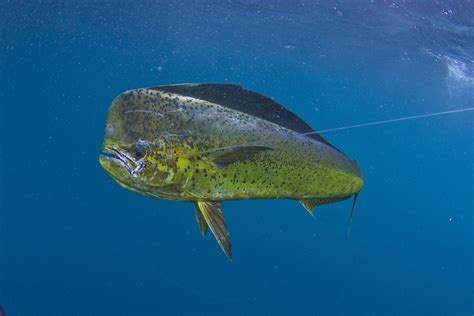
(117, 163)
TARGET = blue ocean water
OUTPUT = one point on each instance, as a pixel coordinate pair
(72, 242)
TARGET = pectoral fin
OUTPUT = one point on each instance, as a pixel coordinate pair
(200, 220)
(226, 156)
(213, 216)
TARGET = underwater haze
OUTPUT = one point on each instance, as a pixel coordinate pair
(73, 242)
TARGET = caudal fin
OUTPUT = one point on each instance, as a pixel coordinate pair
(354, 202)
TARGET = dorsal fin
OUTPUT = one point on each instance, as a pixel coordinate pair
(237, 98)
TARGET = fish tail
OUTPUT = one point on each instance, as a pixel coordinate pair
(354, 202)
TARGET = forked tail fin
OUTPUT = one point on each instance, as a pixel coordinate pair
(354, 202)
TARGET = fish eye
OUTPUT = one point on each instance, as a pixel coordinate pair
(138, 150)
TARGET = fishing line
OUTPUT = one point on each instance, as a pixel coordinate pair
(406, 118)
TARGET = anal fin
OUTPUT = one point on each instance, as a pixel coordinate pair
(310, 204)
(213, 216)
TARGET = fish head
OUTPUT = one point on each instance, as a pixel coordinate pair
(138, 166)
(131, 155)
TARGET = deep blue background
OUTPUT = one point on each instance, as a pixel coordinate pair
(72, 242)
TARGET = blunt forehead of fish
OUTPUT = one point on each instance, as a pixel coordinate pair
(133, 116)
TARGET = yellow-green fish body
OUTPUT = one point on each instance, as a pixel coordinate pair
(212, 142)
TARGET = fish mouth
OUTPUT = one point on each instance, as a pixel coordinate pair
(119, 157)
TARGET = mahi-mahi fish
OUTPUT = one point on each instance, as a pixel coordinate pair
(206, 143)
